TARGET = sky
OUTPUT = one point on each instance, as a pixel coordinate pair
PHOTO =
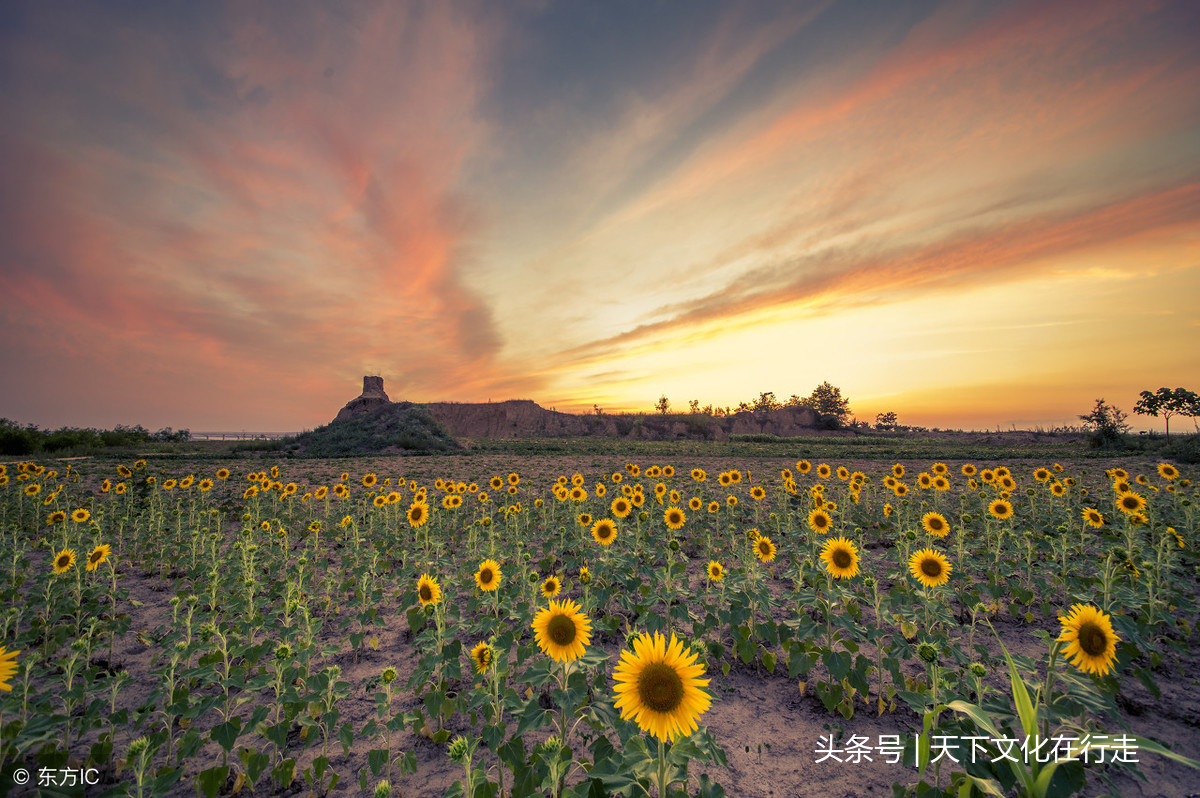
(220, 216)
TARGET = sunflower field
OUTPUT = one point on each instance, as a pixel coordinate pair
(558, 626)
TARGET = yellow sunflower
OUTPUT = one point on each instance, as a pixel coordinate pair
(428, 591)
(968, 470)
(823, 471)
(659, 687)
(930, 567)
(819, 521)
(898, 471)
(1093, 517)
(551, 587)
(699, 475)
(418, 514)
(935, 524)
(56, 517)
(714, 507)
(562, 631)
(1167, 471)
(1131, 503)
(8, 667)
(489, 576)
(482, 656)
(674, 518)
(1000, 508)
(99, 556)
(63, 561)
(604, 531)
(621, 507)
(764, 549)
(369, 480)
(715, 572)
(757, 493)
(803, 466)
(32, 489)
(840, 557)
(1091, 641)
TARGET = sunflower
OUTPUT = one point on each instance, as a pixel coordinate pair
(551, 587)
(1042, 474)
(823, 471)
(578, 494)
(1131, 503)
(843, 473)
(1091, 641)
(695, 504)
(840, 557)
(757, 493)
(99, 556)
(968, 470)
(621, 507)
(901, 489)
(604, 531)
(699, 475)
(496, 483)
(803, 466)
(585, 576)
(1058, 489)
(488, 576)
(1167, 471)
(930, 567)
(584, 519)
(1001, 509)
(428, 591)
(941, 483)
(764, 549)
(56, 517)
(562, 631)
(514, 479)
(32, 489)
(924, 480)
(725, 479)
(63, 561)
(418, 514)
(379, 501)
(659, 687)
(935, 524)
(715, 572)
(483, 655)
(8, 667)
(714, 507)
(369, 480)
(674, 518)
(819, 521)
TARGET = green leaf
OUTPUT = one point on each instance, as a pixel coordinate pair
(210, 781)
(226, 734)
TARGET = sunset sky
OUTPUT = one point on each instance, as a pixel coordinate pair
(220, 216)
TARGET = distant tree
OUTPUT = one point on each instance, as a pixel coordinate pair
(762, 407)
(886, 420)
(663, 404)
(1167, 402)
(694, 406)
(794, 401)
(1106, 424)
(707, 410)
(827, 400)
(596, 409)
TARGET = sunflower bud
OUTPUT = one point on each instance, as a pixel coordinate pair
(978, 670)
(389, 675)
(383, 790)
(458, 750)
(928, 653)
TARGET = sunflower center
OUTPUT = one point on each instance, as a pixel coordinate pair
(485, 576)
(63, 561)
(931, 567)
(485, 658)
(819, 520)
(1092, 639)
(95, 557)
(660, 688)
(841, 558)
(561, 630)
(426, 593)
(935, 523)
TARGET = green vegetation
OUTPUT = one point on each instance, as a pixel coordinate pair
(21, 441)
(401, 427)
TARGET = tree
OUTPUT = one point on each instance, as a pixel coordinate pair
(886, 420)
(663, 404)
(1106, 424)
(762, 407)
(694, 406)
(827, 400)
(1168, 402)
